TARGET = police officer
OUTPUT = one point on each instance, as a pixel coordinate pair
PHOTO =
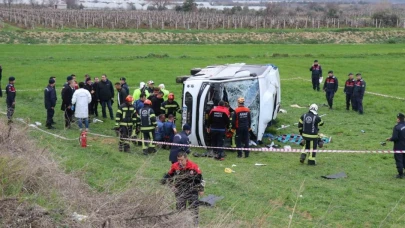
(50, 102)
(330, 87)
(170, 106)
(10, 98)
(218, 123)
(186, 178)
(349, 87)
(241, 122)
(398, 137)
(316, 74)
(358, 93)
(147, 121)
(180, 138)
(308, 128)
(125, 122)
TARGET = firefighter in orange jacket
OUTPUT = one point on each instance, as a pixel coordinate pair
(241, 122)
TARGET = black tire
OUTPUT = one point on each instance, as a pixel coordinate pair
(181, 79)
(194, 71)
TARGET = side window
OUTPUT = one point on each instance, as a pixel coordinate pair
(187, 114)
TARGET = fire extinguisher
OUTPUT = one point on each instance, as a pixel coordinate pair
(83, 139)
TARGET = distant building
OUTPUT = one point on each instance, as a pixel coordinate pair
(61, 5)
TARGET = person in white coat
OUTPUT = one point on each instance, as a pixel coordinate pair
(81, 100)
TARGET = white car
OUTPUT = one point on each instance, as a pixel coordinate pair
(204, 88)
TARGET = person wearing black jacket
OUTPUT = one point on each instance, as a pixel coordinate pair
(349, 86)
(105, 93)
(180, 138)
(96, 101)
(50, 103)
(398, 137)
(308, 128)
(67, 95)
(1, 75)
(10, 98)
(218, 122)
(121, 95)
(89, 87)
(124, 85)
(157, 101)
(358, 93)
(330, 87)
(316, 74)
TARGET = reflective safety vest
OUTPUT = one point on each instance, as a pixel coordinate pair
(170, 108)
(147, 118)
(125, 116)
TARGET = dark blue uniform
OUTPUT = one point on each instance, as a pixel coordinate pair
(330, 87)
(180, 138)
(349, 87)
(50, 103)
(358, 94)
(10, 99)
(398, 137)
(316, 74)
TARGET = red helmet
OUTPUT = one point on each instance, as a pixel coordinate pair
(147, 102)
(171, 96)
(129, 99)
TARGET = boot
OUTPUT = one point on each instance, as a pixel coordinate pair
(247, 154)
(303, 157)
(145, 151)
(151, 150)
(311, 162)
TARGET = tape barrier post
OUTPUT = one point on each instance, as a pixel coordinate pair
(273, 149)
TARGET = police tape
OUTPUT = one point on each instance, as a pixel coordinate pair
(266, 149)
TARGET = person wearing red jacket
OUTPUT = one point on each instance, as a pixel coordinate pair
(241, 122)
(218, 122)
(187, 181)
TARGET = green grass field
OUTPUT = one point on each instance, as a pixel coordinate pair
(254, 196)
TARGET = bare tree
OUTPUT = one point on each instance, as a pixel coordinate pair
(8, 2)
(160, 4)
(52, 3)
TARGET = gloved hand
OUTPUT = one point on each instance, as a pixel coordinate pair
(233, 130)
(180, 111)
(112, 101)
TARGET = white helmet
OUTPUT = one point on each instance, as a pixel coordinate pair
(141, 85)
(314, 109)
(162, 86)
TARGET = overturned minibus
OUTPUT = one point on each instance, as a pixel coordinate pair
(205, 87)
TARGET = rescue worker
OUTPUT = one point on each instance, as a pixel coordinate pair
(241, 122)
(229, 133)
(218, 123)
(358, 93)
(50, 103)
(1, 75)
(165, 92)
(67, 102)
(180, 138)
(151, 87)
(140, 90)
(398, 137)
(170, 106)
(147, 121)
(121, 94)
(125, 122)
(169, 130)
(330, 87)
(10, 98)
(349, 86)
(159, 131)
(308, 127)
(186, 178)
(316, 74)
(124, 84)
